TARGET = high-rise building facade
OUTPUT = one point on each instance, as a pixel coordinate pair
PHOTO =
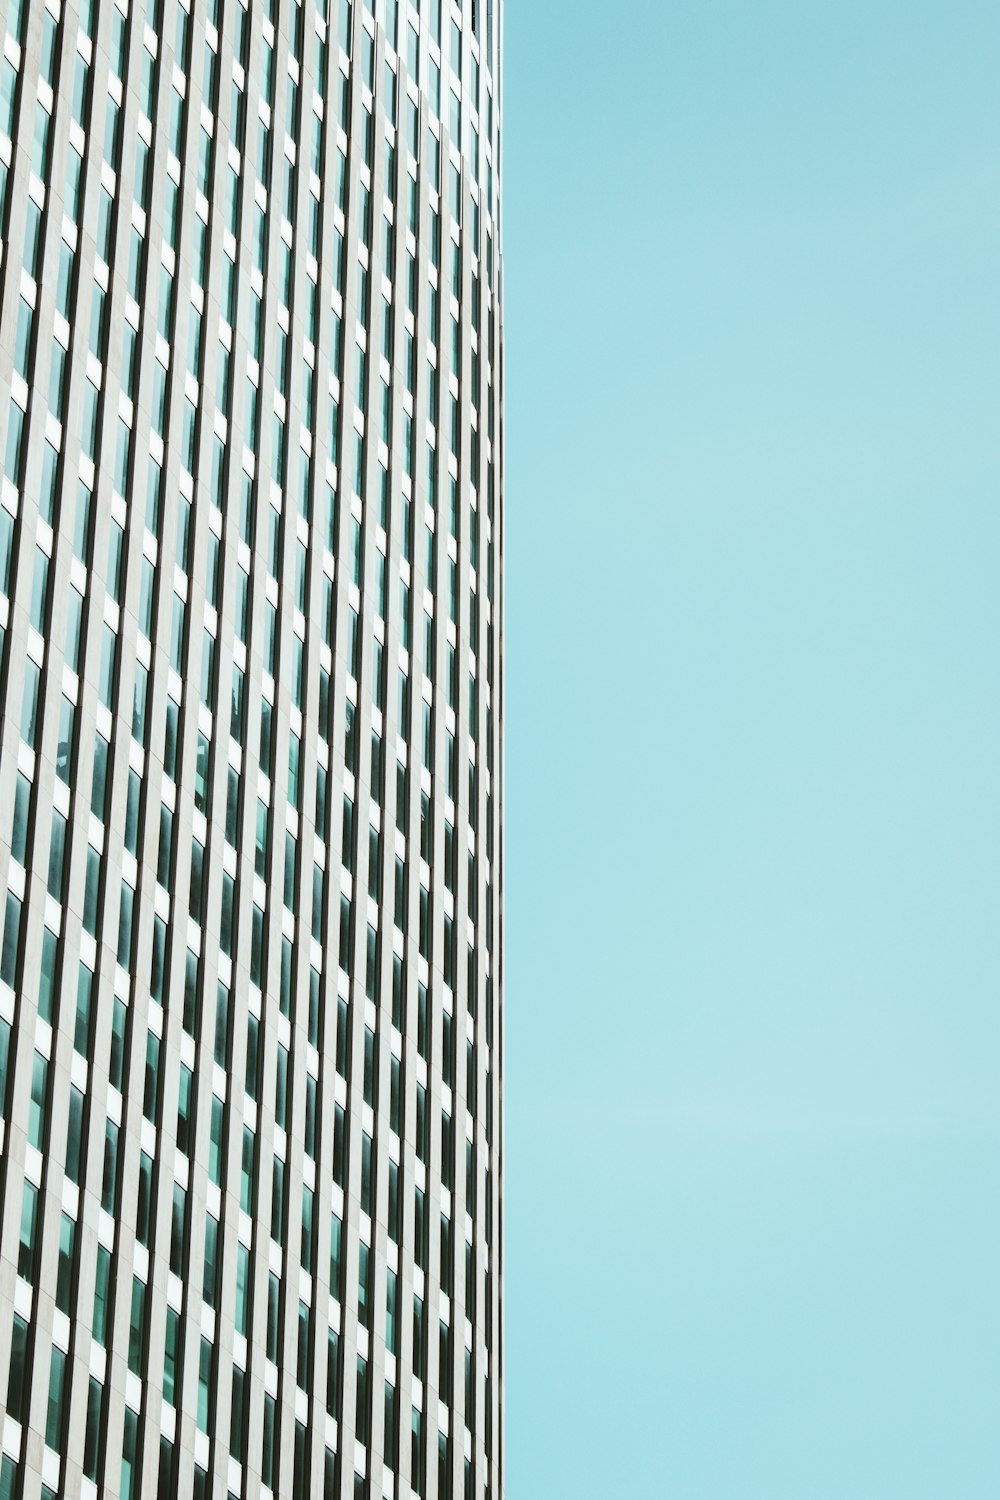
(251, 615)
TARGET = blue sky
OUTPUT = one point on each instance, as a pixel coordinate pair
(753, 750)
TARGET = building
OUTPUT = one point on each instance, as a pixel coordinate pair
(251, 557)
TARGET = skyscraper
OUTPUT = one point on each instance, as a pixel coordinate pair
(251, 555)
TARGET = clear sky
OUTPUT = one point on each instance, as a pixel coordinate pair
(753, 749)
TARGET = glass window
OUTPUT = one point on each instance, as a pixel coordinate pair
(210, 1278)
(19, 1377)
(130, 1443)
(4, 1057)
(38, 1103)
(171, 1357)
(65, 1266)
(21, 823)
(54, 1410)
(178, 1230)
(92, 1434)
(47, 976)
(116, 1064)
(109, 1186)
(12, 454)
(144, 1200)
(242, 1316)
(29, 703)
(27, 1247)
(75, 1141)
(137, 1327)
(238, 1413)
(102, 1296)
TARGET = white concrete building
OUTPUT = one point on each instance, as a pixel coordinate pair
(251, 777)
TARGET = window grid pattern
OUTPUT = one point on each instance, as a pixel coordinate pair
(251, 780)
